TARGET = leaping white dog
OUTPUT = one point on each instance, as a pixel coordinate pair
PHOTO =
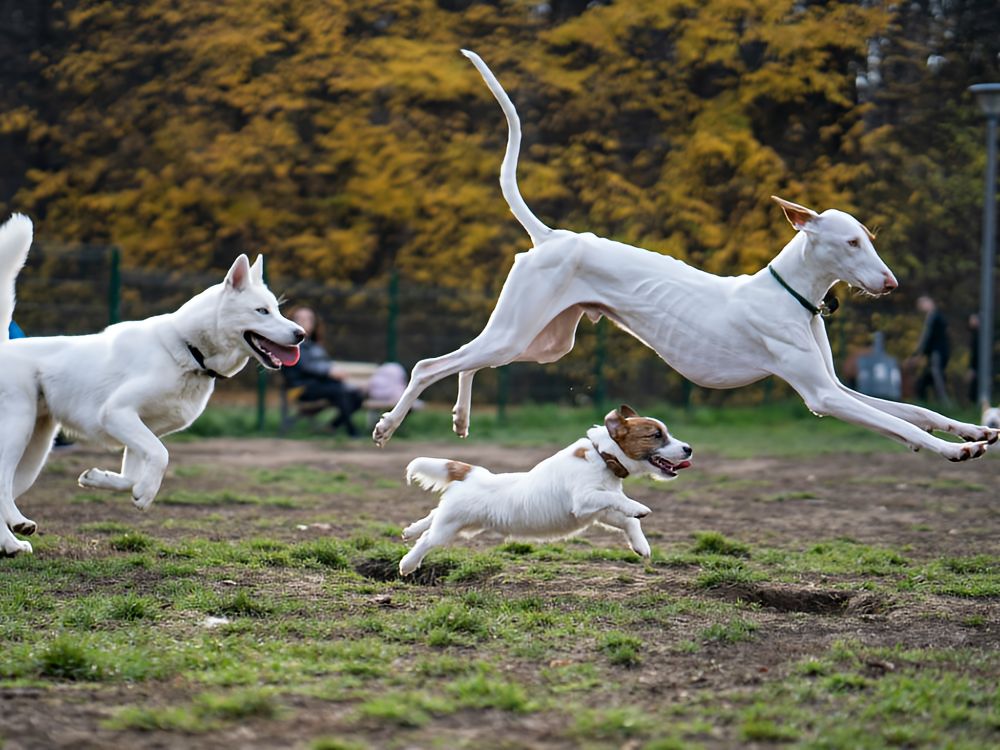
(126, 385)
(718, 332)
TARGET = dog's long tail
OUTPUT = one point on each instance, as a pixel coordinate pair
(15, 239)
(435, 474)
(508, 168)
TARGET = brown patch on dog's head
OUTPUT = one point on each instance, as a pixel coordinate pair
(580, 453)
(638, 437)
(457, 470)
(870, 233)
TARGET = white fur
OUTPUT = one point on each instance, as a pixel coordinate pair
(718, 332)
(124, 386)
(560, 497)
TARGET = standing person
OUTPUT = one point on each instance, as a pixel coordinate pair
(320, 376)
(972, 375)
(934, 347)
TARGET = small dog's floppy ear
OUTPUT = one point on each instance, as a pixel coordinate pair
(239, 275)
(798, 216)
(627, 411)
(615, 423)
(257, 270)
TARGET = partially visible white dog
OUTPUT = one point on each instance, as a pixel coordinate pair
(991, 417)
(126, 385)
(579, 486)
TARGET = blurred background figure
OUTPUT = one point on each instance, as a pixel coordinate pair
(972, 374)
(15, 331)
(934, 348)
(320, 376)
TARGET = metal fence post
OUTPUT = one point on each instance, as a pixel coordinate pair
(115, 287)
(392, 319)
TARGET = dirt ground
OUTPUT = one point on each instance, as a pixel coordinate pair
(926, 506)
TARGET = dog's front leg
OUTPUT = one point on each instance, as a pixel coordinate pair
(923, 418)
(631, 527)
(141, 446)
(805, 372)
(99, 479)
(587, 504)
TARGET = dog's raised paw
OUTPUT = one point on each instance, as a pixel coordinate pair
(382, 432)
(26, 527)
(969, 450)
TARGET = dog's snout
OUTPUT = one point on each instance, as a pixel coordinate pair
(889, 283)
(299, 336)
(687, 451)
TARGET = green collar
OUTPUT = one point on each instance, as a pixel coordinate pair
(827, 307)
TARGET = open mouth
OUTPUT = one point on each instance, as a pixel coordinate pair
(270, 353)
(666, 468)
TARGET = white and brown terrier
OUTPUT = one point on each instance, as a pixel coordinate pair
(563, 495)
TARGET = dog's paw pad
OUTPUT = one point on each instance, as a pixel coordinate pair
(25, 528)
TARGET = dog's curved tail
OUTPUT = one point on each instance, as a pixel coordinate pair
(508, 168)
(15, 240)
(436, 474)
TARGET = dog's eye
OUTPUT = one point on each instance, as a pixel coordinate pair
(658, 434)
(854, 243)
(263, 311)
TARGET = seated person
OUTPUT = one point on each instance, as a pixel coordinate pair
(319, 375)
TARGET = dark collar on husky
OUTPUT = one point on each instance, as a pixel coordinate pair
(614, 465)
(200, 359)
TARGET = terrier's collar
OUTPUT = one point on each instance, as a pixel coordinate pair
(614, 465)
(199, 358)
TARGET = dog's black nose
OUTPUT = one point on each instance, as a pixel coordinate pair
(687, 450)
(300, 336)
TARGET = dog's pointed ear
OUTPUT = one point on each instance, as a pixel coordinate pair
(257, 270)
(627, 411)
(798, 216)
(614, 421)
(238, 277)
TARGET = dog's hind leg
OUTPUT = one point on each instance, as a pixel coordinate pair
(28, 469)
(553, 342)
(462, 413)
(439, 534)
(923, 418)
(519, 317)
(19, 422)
(631, 527)
(417, 528)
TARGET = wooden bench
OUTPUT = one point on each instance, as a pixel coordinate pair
(356, 374)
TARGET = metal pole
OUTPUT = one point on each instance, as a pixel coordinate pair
(989, 262)
(115, 287)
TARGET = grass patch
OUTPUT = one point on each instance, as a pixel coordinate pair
(714, 543)
(733, 631)
(131, 541)
(621, 649)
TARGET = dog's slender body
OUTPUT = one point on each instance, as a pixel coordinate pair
(718, 332)
(127, 385)
(560, 497)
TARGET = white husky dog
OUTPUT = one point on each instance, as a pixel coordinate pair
(579, 486)
(126, 385)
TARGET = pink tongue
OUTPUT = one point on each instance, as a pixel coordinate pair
(287, 355)
(682, 465)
